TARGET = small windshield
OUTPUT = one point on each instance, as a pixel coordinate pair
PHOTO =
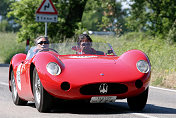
(74, 48)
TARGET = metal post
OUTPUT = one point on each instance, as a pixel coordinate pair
(45, 29)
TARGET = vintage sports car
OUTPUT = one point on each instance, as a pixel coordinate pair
(62, 72)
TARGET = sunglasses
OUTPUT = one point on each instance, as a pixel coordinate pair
(43, 42)
(85, 44)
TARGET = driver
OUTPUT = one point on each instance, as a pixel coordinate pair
(84, 45)
(41, 43)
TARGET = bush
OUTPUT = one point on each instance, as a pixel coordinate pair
(172, 34)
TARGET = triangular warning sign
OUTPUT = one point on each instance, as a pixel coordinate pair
(47, 7)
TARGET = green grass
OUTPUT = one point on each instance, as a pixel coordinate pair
(9, 47)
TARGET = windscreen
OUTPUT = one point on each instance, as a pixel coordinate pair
(87, 48)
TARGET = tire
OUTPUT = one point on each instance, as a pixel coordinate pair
(138, 103)
(43, 100)
(15, 97)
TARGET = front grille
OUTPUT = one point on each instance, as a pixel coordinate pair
(95, 89)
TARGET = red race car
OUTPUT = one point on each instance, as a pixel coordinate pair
(65, 72)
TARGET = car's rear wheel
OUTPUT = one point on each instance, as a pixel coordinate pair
(43, 100)
(138, 103)
(16, 99)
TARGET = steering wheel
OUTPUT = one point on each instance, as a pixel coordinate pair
(47, 49)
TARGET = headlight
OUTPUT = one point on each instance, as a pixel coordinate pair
(142, 66)
(53, 68)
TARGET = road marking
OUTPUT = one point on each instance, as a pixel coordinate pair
(3, 83)
(143, 115)
(163, 89)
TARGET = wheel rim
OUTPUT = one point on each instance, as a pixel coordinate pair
(14, 90)
(37, 89)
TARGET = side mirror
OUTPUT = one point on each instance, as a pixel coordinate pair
(110, 51)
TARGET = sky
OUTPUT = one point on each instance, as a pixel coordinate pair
(125, 4)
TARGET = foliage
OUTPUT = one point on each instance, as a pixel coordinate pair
(4, 7)
(80, 29)
(172, 34)
(9, 47)
(112, 19)
(104, 15)
(69, 14)
(4, 26)
(92, 15)
(155, 16)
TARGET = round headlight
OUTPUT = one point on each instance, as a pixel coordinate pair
(53, 68)
(142, 66)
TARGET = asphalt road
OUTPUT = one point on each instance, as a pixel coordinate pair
(161, 104)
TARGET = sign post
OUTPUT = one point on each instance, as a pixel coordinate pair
(46, 13)
(46, 29)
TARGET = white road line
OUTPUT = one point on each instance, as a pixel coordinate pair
(3, 83)
(143, 115)
(148, 116)
(164, 89)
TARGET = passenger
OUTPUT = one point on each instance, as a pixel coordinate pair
(84, 45)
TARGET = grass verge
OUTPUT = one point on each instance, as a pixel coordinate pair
(9, 47)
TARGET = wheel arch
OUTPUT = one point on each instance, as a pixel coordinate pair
(32, 66)
(10, 70)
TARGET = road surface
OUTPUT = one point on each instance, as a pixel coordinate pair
(161, 104)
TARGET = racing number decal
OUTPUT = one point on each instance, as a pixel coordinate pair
(18, 76)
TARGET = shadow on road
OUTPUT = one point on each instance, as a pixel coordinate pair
(85, 108)
(99, 109)
(159, 109)
(4, 65)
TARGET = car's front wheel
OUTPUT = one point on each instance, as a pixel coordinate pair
(43, 100)
(138, 103)
(16, 99)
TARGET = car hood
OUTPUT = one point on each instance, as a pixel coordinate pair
(85, 69)
(88, 59)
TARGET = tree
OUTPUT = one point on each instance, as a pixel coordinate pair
(4, 8)
(172, 33)
(113, 17)
(104, 15)
(92, 15)
(6, 24)
(69, 14)
(155, 16)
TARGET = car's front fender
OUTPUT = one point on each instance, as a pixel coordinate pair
(40, 61)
